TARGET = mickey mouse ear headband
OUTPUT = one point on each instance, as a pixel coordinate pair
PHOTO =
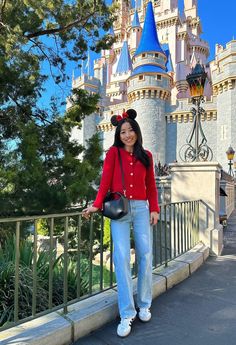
(130, 113)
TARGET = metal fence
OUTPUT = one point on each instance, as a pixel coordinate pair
(73, 259)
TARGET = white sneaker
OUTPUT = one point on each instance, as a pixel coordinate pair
(144, 314)
(124, 327)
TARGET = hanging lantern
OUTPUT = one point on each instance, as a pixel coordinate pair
(196, 80)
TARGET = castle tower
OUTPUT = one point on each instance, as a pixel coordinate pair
(149, 88)
(224, 87)
(189, 46)
(121, 21)
(190, 8)
(135, 32)
(88, 128)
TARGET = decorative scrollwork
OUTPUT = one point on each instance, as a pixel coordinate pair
(200, 151)
(188, 153)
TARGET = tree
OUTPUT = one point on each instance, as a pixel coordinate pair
(33, 33)
(44, 172)
(41, 169)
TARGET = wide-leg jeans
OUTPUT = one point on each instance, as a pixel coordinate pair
(139, 217)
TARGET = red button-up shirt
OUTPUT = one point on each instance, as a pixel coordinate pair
(139, 181)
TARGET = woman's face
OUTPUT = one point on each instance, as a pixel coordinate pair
(128, 136)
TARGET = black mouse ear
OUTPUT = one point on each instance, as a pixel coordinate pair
(131, 113)
(114, 120)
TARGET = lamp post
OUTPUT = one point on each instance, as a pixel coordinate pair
(230, 156)
(196, 148)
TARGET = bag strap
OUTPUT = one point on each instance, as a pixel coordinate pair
(122, 172)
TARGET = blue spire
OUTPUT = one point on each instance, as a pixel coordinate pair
(169, 65)
(133, 4)
(124, 63)
(135, 22)
(136, 3)
(149, 40)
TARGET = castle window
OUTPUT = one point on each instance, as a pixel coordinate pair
(143, 55)
(140, 77)
(156, 55)
(158, 77)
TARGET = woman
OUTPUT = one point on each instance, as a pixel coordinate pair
(143, 210)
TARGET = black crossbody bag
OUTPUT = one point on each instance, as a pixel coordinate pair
(116, 208)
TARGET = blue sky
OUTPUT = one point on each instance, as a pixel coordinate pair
(218, 25)
(218, 22)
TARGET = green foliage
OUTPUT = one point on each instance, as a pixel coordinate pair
(41, 169)
(7, 279)
(106, 233)
(35, 34)
(44, 174)
(82, 103)
(26, 278)
(42, 227)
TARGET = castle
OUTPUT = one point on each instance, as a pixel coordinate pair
(156, 48)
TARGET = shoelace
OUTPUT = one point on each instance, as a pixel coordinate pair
(126, 322)
(145, 310)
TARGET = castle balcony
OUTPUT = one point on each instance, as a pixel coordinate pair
(116, 88)
(149, 58)
(153, 82)
(119, 77)
(196, 41)
(166, 19)
(224, 79)
(166, 14)
(86, 82)
(181, 111)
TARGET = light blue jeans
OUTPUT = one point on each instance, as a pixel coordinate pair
(139, 216)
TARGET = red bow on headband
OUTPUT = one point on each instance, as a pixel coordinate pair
(121, 117)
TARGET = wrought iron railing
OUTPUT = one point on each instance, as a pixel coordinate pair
(40, 274)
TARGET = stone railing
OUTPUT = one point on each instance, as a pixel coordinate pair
(227, 202)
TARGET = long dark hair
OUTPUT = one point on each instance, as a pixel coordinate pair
(139, 151)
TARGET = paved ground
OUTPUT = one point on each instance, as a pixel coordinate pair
(199, 311)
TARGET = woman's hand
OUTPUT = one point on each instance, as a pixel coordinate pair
(153, 218)
(90, 209)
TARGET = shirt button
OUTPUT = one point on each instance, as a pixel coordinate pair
(131, 174)
(131, 163)
(131, 185)
(131, 196)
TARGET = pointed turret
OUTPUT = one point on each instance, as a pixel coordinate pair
(149, 41)
(124, 63)
(135, 31)
(149, 87)
(194, 59)
(149, 57)
(135, 22)
(136, 3)
(169, 63)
